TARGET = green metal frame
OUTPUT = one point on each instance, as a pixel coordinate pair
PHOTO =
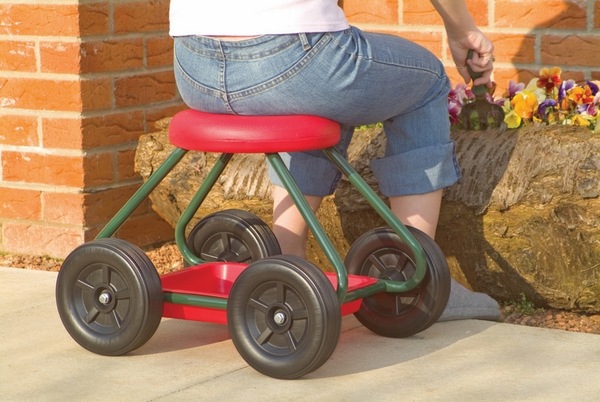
(314, 225)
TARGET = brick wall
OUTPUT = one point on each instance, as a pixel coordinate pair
(81, 80)
(528, 34)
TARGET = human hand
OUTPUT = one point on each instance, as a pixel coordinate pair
(482, 60)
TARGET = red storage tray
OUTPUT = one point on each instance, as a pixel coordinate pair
(215, 279)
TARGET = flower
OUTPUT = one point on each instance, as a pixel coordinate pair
(456, 100)
(549, 78)
(512, 120)
(546, 111)
(513, 88)
(547, 99)
(524, 104)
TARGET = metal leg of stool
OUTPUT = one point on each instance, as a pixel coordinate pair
(386, 214)
(312, 222)
(140, 195)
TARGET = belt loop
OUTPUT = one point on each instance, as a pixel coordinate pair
(304, 40)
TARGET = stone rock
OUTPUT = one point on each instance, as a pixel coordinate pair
(523, 220)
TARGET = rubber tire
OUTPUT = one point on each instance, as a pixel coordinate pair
(121, 270)
(248, 238)
(399, 315)
(313, 317)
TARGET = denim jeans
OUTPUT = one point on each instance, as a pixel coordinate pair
(352, 77)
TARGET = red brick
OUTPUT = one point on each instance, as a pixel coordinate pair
(571, 49)
(40, 239)
(99, 169)
(374, 11)
(63, 208)
(101, 206)
(39, 19)
(142, 16)
(94, 19)
(417, 12)
(159, 51)
(17, 56)
(106, 56)
(60, 57)
(40, 93)
(429, 40)
(420, 13)
(86, 133)
(154, 115)
(20, 204)
(21, 167)
(554, 14)
(145, 89)
(112, 129)
(513, 48)
(19, 130)
(125, 165)
(480, 11)
(55, 94)
(62, 133)
(96, 94)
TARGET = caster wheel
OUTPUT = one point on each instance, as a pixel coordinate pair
(381, 254)
(234, 236)
(109, 296)
(284, 317)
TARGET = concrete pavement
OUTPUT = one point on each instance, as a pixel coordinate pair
(184, 361)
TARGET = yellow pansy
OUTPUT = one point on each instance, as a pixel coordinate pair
(524, 104)
(579, 120)
(512, 120)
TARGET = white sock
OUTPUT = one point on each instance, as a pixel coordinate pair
(464, 304)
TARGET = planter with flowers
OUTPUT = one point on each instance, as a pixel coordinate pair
(525, 217)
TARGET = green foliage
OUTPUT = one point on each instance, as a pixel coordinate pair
(523, 306)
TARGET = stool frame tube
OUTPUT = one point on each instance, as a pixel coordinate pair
(305, 210)
(142, 193)
(386, 214)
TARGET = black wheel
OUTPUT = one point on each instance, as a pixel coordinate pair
(109, 296)
(381, 254)
(234, 236)
(284, 317)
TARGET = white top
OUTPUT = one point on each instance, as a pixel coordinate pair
(254, 17)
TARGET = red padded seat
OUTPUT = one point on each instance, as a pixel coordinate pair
(223, 133)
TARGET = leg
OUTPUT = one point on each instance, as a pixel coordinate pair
(288, 225)
(420, 211)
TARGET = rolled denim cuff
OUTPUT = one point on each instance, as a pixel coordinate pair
(418, 171)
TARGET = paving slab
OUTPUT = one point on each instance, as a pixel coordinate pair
(190, 361)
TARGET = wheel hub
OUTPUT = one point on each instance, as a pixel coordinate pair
(105, 299)
(279, 320)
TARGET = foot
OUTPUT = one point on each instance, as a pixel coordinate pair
(464, 304)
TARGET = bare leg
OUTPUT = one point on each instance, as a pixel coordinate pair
(288, 225)
(420, 211)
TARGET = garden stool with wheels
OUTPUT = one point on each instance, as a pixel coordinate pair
(285, 312)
